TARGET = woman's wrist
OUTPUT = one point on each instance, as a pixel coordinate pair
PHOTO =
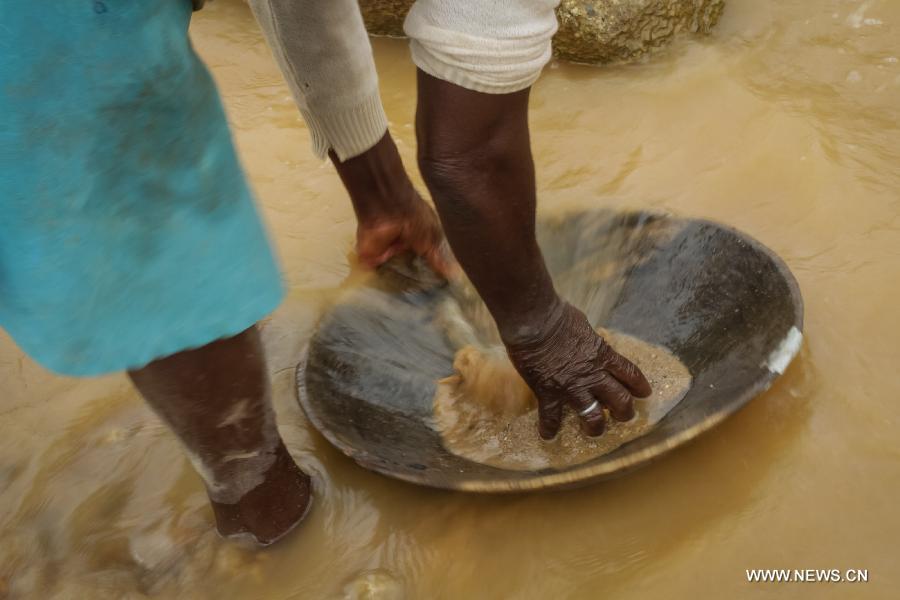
(532, 322)
(377, 182)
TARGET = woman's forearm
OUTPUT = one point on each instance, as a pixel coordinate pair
(475, 155)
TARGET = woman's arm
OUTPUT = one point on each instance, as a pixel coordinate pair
(475, 156)
(324, 53)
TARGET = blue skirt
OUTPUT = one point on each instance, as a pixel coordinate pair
(127, 229)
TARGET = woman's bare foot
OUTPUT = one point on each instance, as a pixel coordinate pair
(216, 399)
(272, 509)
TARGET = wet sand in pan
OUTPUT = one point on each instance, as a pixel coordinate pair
(487, 414)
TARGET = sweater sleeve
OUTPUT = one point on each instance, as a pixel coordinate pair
(323, 51)
(489, 46)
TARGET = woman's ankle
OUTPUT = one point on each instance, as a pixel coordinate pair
(272, 509)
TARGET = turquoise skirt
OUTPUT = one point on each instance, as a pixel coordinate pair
(127, 229)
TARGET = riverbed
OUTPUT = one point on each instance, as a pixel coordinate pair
(784, 123)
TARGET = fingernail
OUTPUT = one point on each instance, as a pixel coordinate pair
(549, 439)
(598, 434)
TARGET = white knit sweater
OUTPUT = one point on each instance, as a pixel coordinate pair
(491, 46)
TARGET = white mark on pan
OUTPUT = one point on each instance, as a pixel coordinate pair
(782, 356)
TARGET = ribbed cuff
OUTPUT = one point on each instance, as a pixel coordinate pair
(348, 131)
(484, 82)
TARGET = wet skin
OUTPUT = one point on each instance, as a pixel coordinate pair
(475, 157)
(391, 216)
(216, 399)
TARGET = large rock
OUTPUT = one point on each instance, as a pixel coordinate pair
(590, 31)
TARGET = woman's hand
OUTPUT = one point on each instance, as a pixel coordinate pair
(567, 363)
(416, 230)
(391, 215)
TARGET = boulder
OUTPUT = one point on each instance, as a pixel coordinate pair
(590, 31)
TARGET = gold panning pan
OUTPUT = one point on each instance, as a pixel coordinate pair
(725, 305)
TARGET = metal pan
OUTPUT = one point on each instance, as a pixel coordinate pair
(723, 303)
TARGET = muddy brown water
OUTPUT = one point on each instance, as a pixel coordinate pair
(784, 123)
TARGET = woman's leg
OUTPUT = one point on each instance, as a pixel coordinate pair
(217, 401)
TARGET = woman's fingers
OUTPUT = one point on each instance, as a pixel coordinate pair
(418, 232)
(613, 395)
(377, 244)
(550, 414)
(570, 364)
(590, 411)
(626, 372)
